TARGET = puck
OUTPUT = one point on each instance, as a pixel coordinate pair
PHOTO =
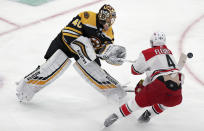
(190, 55)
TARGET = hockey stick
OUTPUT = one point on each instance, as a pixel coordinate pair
(124, 60)
(182, 61)
(129, 90)
(129, 61)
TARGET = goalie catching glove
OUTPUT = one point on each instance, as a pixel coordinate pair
(113, 54)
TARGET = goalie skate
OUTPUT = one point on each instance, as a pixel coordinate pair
(25, 92)
(110, 120)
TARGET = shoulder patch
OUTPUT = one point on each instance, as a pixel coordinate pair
(86, 15)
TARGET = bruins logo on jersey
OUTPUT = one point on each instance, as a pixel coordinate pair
(86, 15)
(96, 42)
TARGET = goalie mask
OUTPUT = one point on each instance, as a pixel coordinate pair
(106, 16)
(158, 39)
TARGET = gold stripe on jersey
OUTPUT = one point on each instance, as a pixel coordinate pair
(42, 82)
(70, 35)
(68, 45)
(72, 29)
(101, 86)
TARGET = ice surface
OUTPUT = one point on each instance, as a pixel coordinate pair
(70, 104)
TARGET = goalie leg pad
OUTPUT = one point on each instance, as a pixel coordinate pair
(100, 79)
(42, 75)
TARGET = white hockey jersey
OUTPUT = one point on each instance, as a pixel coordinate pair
(155, 62)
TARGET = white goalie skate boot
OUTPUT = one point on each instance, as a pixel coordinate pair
(145, 117)
(110, 120)
(25, 92)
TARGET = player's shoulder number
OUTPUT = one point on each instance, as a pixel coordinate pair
(77, 23)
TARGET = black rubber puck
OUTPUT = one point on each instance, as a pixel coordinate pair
(190, 55)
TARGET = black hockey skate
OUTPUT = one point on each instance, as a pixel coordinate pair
(145, 117)
(110, 120)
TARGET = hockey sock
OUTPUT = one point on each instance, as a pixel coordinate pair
(156, 109)
(128, 108)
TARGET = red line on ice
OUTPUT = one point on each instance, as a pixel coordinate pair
(9, 22)
(47, 18)
(181, 43)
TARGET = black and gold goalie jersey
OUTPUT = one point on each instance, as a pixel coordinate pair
(86, 24)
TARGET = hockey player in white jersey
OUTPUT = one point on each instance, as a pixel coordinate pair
(88, 38)
(162, 87)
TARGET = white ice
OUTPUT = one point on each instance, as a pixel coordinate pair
(70, 104)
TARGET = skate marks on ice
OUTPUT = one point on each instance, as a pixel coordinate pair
(129, 123)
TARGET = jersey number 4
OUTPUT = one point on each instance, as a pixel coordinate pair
(170, 61)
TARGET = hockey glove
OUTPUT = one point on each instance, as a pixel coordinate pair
(139, 86)
(113, 54)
